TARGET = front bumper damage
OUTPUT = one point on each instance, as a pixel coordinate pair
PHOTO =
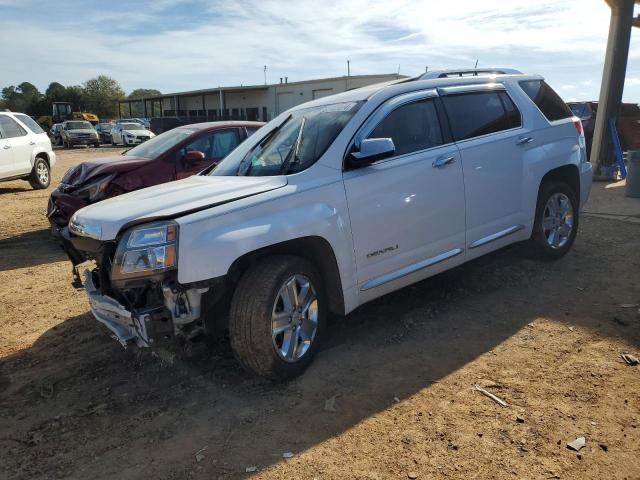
(177, 318)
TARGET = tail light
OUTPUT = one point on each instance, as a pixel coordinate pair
(578, 124)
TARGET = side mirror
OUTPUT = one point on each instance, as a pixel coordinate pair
(193, 156)
(372, 150)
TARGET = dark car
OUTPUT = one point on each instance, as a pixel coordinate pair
(78, 132)
(54, 134)
(628, 123)
(160, 125)
(176, 154)
(104, 132)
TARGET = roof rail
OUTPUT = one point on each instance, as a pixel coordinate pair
(471, 72)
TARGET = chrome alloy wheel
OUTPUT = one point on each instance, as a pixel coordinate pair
(557, 220)
(43, 173)
(294, 318)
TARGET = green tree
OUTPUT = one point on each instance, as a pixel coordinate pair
(23, 98)
(137, 108)
(101, 95)
(144, 93)
(56, 92)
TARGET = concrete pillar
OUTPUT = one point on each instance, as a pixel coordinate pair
(615, 68)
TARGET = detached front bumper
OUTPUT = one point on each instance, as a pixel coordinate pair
(145, 329)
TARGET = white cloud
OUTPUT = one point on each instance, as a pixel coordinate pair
(310, 39)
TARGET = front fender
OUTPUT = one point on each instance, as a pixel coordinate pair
(208, 246)
(37, 151)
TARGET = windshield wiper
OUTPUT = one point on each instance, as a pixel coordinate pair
(293, 153)
(261, 144)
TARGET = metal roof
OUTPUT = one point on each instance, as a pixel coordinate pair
(210, 91)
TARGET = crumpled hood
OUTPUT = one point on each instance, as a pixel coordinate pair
(169, 200)
(80, 173)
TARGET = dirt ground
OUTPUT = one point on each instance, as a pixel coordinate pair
(545, 337)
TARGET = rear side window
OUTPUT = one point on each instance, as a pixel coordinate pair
(547, 100)
(30, 122)
(10, 127)
(480, 113)
(412, 127)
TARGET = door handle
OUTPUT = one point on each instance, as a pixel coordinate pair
(32, 143)
(524, 140)
(7, 147)
(442, 161)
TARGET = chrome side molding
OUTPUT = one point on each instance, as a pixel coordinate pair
(403, 272)
(496, 236)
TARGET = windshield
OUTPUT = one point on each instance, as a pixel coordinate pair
(132, 126)
(78, 125)
(158, 145)
(292, 144)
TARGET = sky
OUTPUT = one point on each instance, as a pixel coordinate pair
(180, 45)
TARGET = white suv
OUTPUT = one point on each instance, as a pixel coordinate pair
(332, 204)
(25, 150)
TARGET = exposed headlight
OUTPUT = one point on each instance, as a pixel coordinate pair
(146, 250)
(95, 190)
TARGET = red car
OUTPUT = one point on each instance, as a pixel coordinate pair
(172, 155)
(628, 122)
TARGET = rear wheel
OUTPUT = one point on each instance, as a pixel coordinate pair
(556, 222)
(277, 317)
(40, 175)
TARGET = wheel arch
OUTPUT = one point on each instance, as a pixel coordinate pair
(315, 249)
(44, 156)
(568, 174)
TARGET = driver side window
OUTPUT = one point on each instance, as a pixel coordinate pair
(412, 127)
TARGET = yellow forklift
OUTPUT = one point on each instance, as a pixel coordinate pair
(64, 111)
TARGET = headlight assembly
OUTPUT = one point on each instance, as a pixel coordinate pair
(146, 250)
(95, 190)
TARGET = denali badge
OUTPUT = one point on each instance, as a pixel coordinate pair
(380, 252)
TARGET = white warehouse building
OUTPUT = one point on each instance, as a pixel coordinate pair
(253, 102)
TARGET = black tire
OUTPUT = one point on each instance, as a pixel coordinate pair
(36, 179)
(250, 316)
(539, 246)
(96, 145)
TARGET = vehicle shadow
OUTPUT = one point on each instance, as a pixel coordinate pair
(26, 188)
(29, 249)
(77, 393)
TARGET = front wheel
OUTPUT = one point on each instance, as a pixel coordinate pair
(556, 222)
(277, 316)
(40, 175)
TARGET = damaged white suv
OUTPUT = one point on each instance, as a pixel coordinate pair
(332, 204)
